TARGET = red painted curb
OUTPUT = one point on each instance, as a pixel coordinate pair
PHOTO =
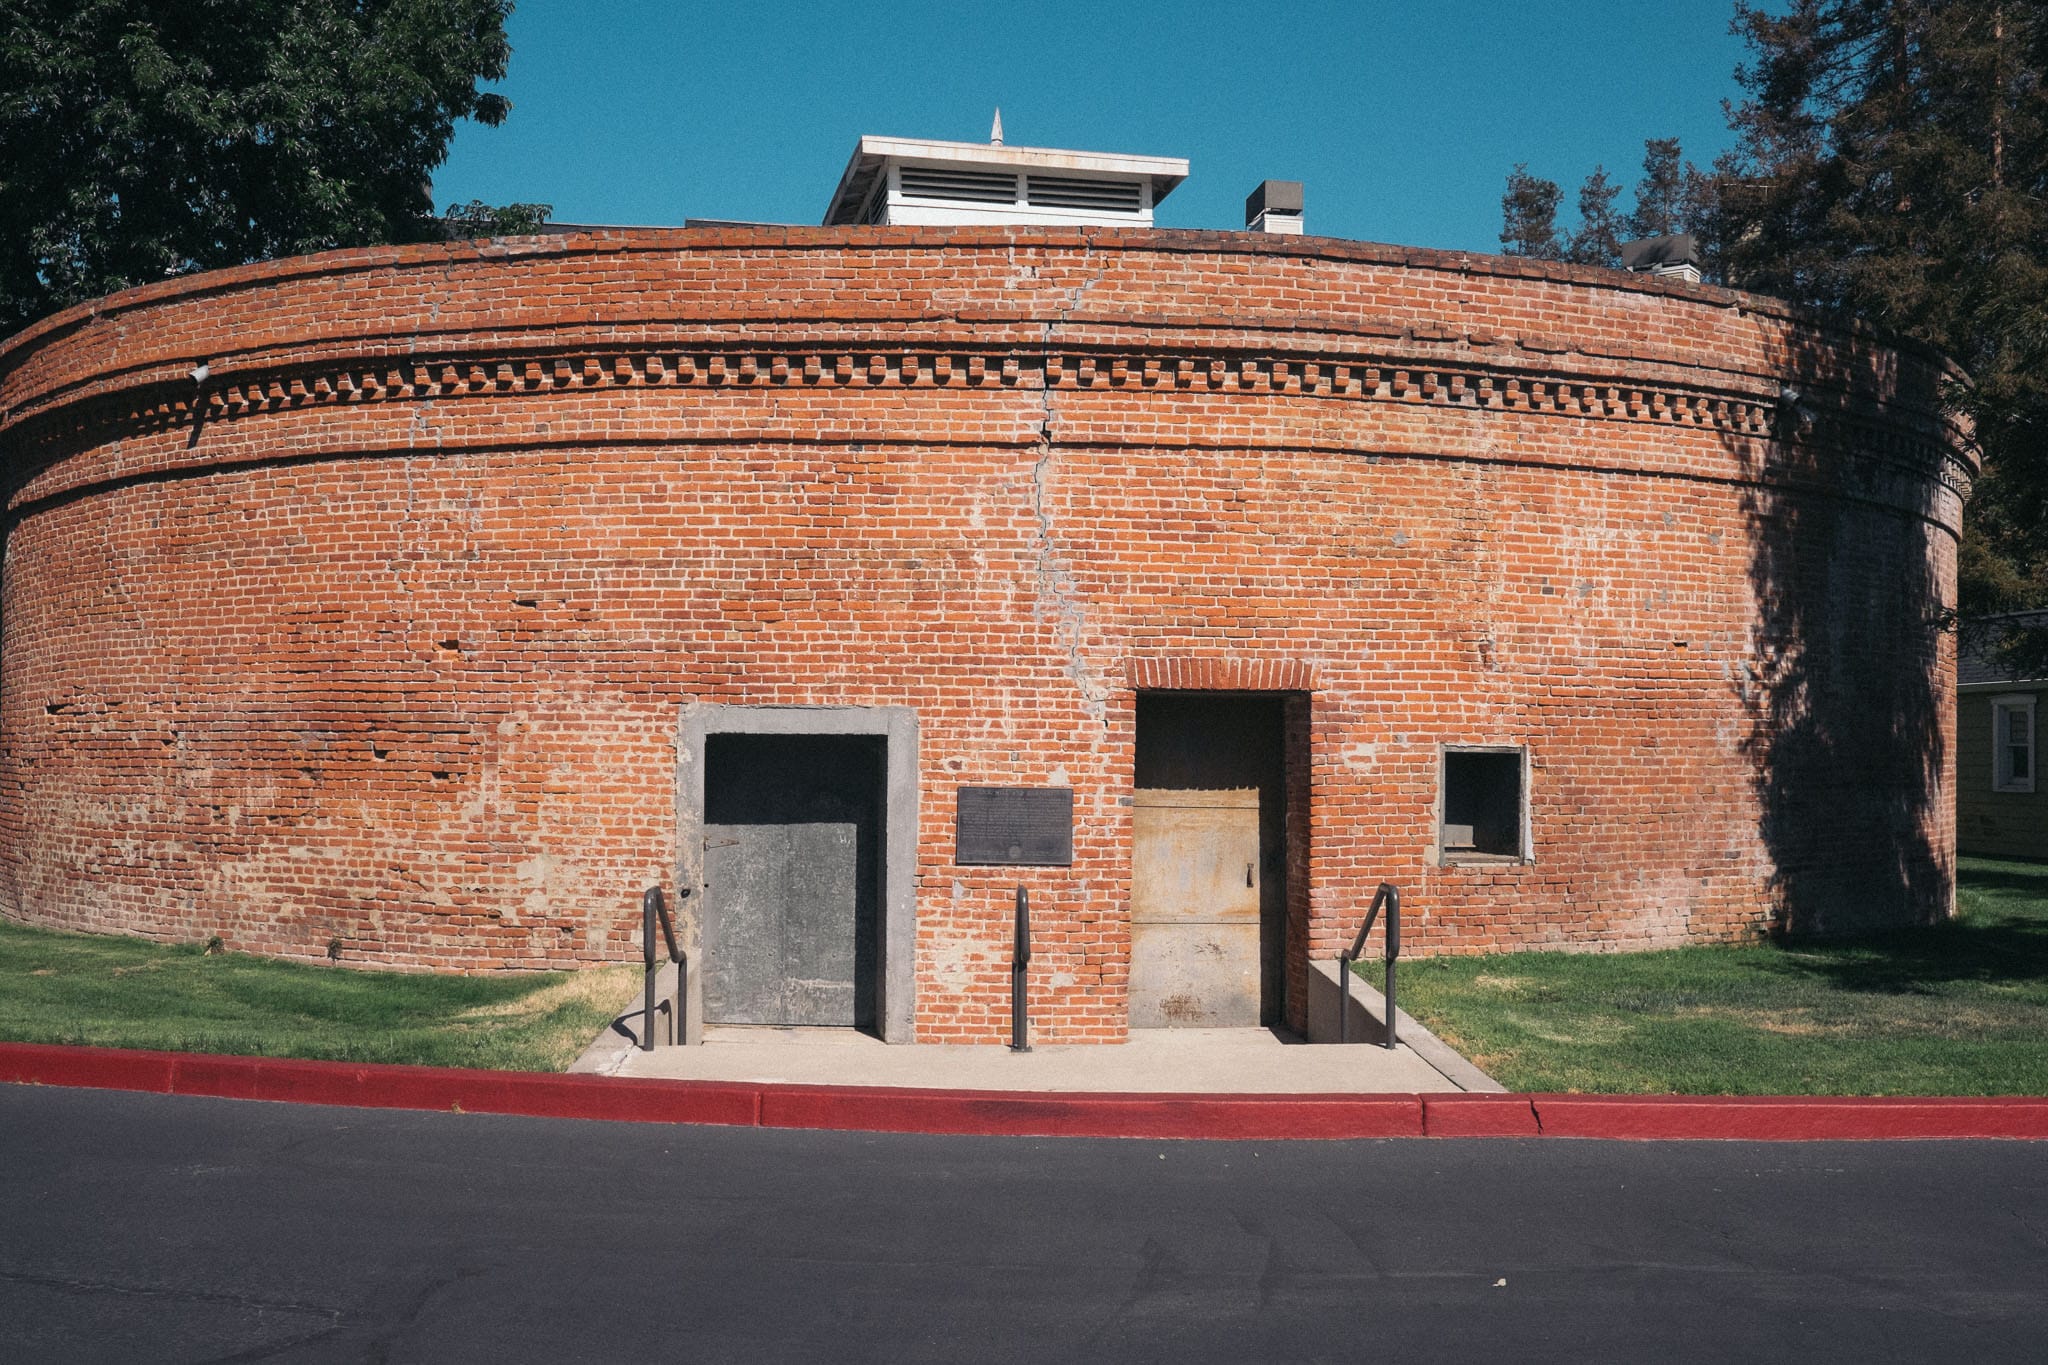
(1479, 1116)
(1090, 1114)
(1790, 1117)
(1025, 1114)
(104, 1068)
(378, 1086)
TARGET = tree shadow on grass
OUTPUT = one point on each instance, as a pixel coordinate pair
(1988, 949)
(2004, 874)
(2032, 884)
(2004, 943)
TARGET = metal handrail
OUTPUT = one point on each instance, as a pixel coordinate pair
(654, 907)
(1020, 960)
(1388, 895)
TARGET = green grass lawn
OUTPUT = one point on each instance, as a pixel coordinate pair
(1961, 1009)
(123, 992)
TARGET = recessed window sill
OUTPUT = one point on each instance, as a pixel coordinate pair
(1470, 858)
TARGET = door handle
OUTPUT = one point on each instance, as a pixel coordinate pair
(1247, 874)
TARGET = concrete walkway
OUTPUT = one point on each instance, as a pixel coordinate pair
(1174, 1061)
(1251, 1061)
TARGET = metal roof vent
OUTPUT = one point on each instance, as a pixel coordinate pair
(1673, 258)
(1275, 206)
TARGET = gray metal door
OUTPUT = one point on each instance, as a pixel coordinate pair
(791, 879)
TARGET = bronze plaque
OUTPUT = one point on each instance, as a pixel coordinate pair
(1014, 827)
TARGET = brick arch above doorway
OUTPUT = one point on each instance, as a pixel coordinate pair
(1222, 673)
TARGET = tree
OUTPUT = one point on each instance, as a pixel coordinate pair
(478, 219)
(146, 138)
(1529, 216)
(1673, 196)
(1598, 238)
(1660, 208)
(1897, 154)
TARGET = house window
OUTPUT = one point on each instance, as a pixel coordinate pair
(1484, 804)
(2012, 742)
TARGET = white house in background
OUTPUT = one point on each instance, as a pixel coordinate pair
(2001, 796)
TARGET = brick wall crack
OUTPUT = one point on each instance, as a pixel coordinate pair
(1058, 597)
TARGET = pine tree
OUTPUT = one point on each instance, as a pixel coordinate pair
(1659, 210)
(1673, 196)
(1529, 216)
(1896, 153)
(1597, 241)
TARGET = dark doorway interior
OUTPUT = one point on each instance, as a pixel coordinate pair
(793, 845)
(1209, 862)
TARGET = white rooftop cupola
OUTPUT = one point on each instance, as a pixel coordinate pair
(895, 180)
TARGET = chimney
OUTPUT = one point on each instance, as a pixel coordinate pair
(1671, 258)
(1275, 206)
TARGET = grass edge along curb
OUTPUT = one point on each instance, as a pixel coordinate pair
(1952, 1009)
(1021, 1114)
(122, 991)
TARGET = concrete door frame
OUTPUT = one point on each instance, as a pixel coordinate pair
(896, 962)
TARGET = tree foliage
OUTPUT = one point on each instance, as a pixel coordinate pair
(1597, 239)
(1660, 194)
(1673, 196)
(1891, 165)
(146, 138)
(1894, 155)
(478, 219)
(1528, 214)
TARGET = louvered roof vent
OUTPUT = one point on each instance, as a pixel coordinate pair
(909, 180)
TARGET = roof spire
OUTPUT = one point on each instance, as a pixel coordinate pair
(995, 132)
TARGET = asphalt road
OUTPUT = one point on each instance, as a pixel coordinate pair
(168, 1229)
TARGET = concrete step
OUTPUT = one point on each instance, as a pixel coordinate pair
(1368, 1015)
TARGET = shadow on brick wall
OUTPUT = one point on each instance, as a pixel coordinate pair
(1841, 683)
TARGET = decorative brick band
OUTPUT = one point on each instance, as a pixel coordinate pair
(113, 409)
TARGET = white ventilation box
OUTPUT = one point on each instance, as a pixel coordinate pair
(894, 180)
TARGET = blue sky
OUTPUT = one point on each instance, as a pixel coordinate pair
(1401, 119)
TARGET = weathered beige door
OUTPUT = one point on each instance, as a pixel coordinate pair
(1195, 909)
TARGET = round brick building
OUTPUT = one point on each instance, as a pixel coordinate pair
(419, 606)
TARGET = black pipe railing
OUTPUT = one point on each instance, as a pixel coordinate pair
(1388, 895)
(654, 908)
(1020, 958)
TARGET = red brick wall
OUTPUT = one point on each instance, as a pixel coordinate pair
(380, 636)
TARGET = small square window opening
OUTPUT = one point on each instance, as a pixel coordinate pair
(1483, 803)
